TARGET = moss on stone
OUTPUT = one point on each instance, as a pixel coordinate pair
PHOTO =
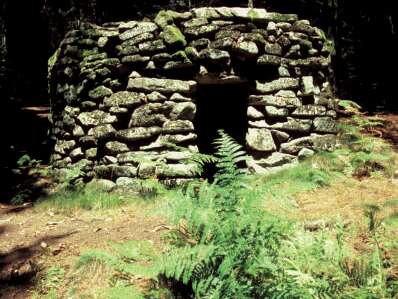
(89, 52)
(173, 36)
(179, 56)
(191, 53)
(252, 14)
(164, 18)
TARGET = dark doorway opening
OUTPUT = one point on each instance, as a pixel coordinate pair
(220, 107)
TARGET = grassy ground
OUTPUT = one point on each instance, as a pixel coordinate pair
(90, 244)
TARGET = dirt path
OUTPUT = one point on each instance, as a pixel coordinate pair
(31, 238)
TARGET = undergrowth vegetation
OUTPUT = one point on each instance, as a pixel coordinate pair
(227, 240)
(227, 245)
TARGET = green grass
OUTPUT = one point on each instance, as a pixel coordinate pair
(121, 263)
(50, 281)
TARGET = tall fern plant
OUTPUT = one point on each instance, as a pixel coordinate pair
(224, 234)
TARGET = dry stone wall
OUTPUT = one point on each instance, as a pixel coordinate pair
(123, 93)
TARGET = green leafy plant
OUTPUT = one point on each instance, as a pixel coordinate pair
(226, 246)
(27, 161)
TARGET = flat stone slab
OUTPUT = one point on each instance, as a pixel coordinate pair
(167, 86)
(278, 84)
(260, 140)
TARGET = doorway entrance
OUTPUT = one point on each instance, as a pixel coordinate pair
(220, 107)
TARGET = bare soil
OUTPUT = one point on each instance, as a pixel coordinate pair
(32, 239)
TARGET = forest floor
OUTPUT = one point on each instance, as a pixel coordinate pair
(37, 237)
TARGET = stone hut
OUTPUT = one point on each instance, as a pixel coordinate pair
(135, 99)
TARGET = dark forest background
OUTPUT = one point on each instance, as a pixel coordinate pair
(364, 35)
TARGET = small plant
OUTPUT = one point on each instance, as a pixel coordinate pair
(51, 280)
(27, 161)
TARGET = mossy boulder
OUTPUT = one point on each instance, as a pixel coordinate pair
(163, 19)
(173, 36)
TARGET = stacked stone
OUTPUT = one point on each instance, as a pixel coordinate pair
(124, 93)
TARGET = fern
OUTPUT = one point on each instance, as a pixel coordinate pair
(229, 154)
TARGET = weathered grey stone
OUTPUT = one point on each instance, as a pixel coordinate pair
(271, 28)
(177, 126)
(132, 43)
(267, 59)
(176, 139)
(118, 110)
(176, 156)
(294, 52)
(142, 27)
(134, 134)
(137, 157)
(258, 124)
(260, 140)
(246, 48)
(100, 92)
(108, 160)
(325, 125)
(115, 147)
(273, 48)
(151, 114)
(76, 154)
(303, 26)
(176, 97)
(280, 136)
(192, 53)
(253, 113)
(135, 59)
(327, 102)
(324, 142)
(184, 111)
(308, 87)
(173, 36)
(78, 131)
(95, 118)
(215, 56)
(206, 13)
(276, 159)
(152, 46)
(294, 146)
(226, 43)
(294, 125)
(309, 110)
(276, 85)
(147, 170)
(200, 44)
(202, 31)
(305, 153)
(101, 185)
(250, 14)
(125, 99)
(91, 153)
(277, 101)
(88, 105)
(131, 184)
(276, 112)
(311, 62)
(176, 170)
(196, 22)
(102, 131)
(139, 119)
(233, 34)
(283, 71)
(253, 167)
(167, 86)
(178, 65)
(115, 171)
(331, 113)
(127, 25)
(64, 146)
